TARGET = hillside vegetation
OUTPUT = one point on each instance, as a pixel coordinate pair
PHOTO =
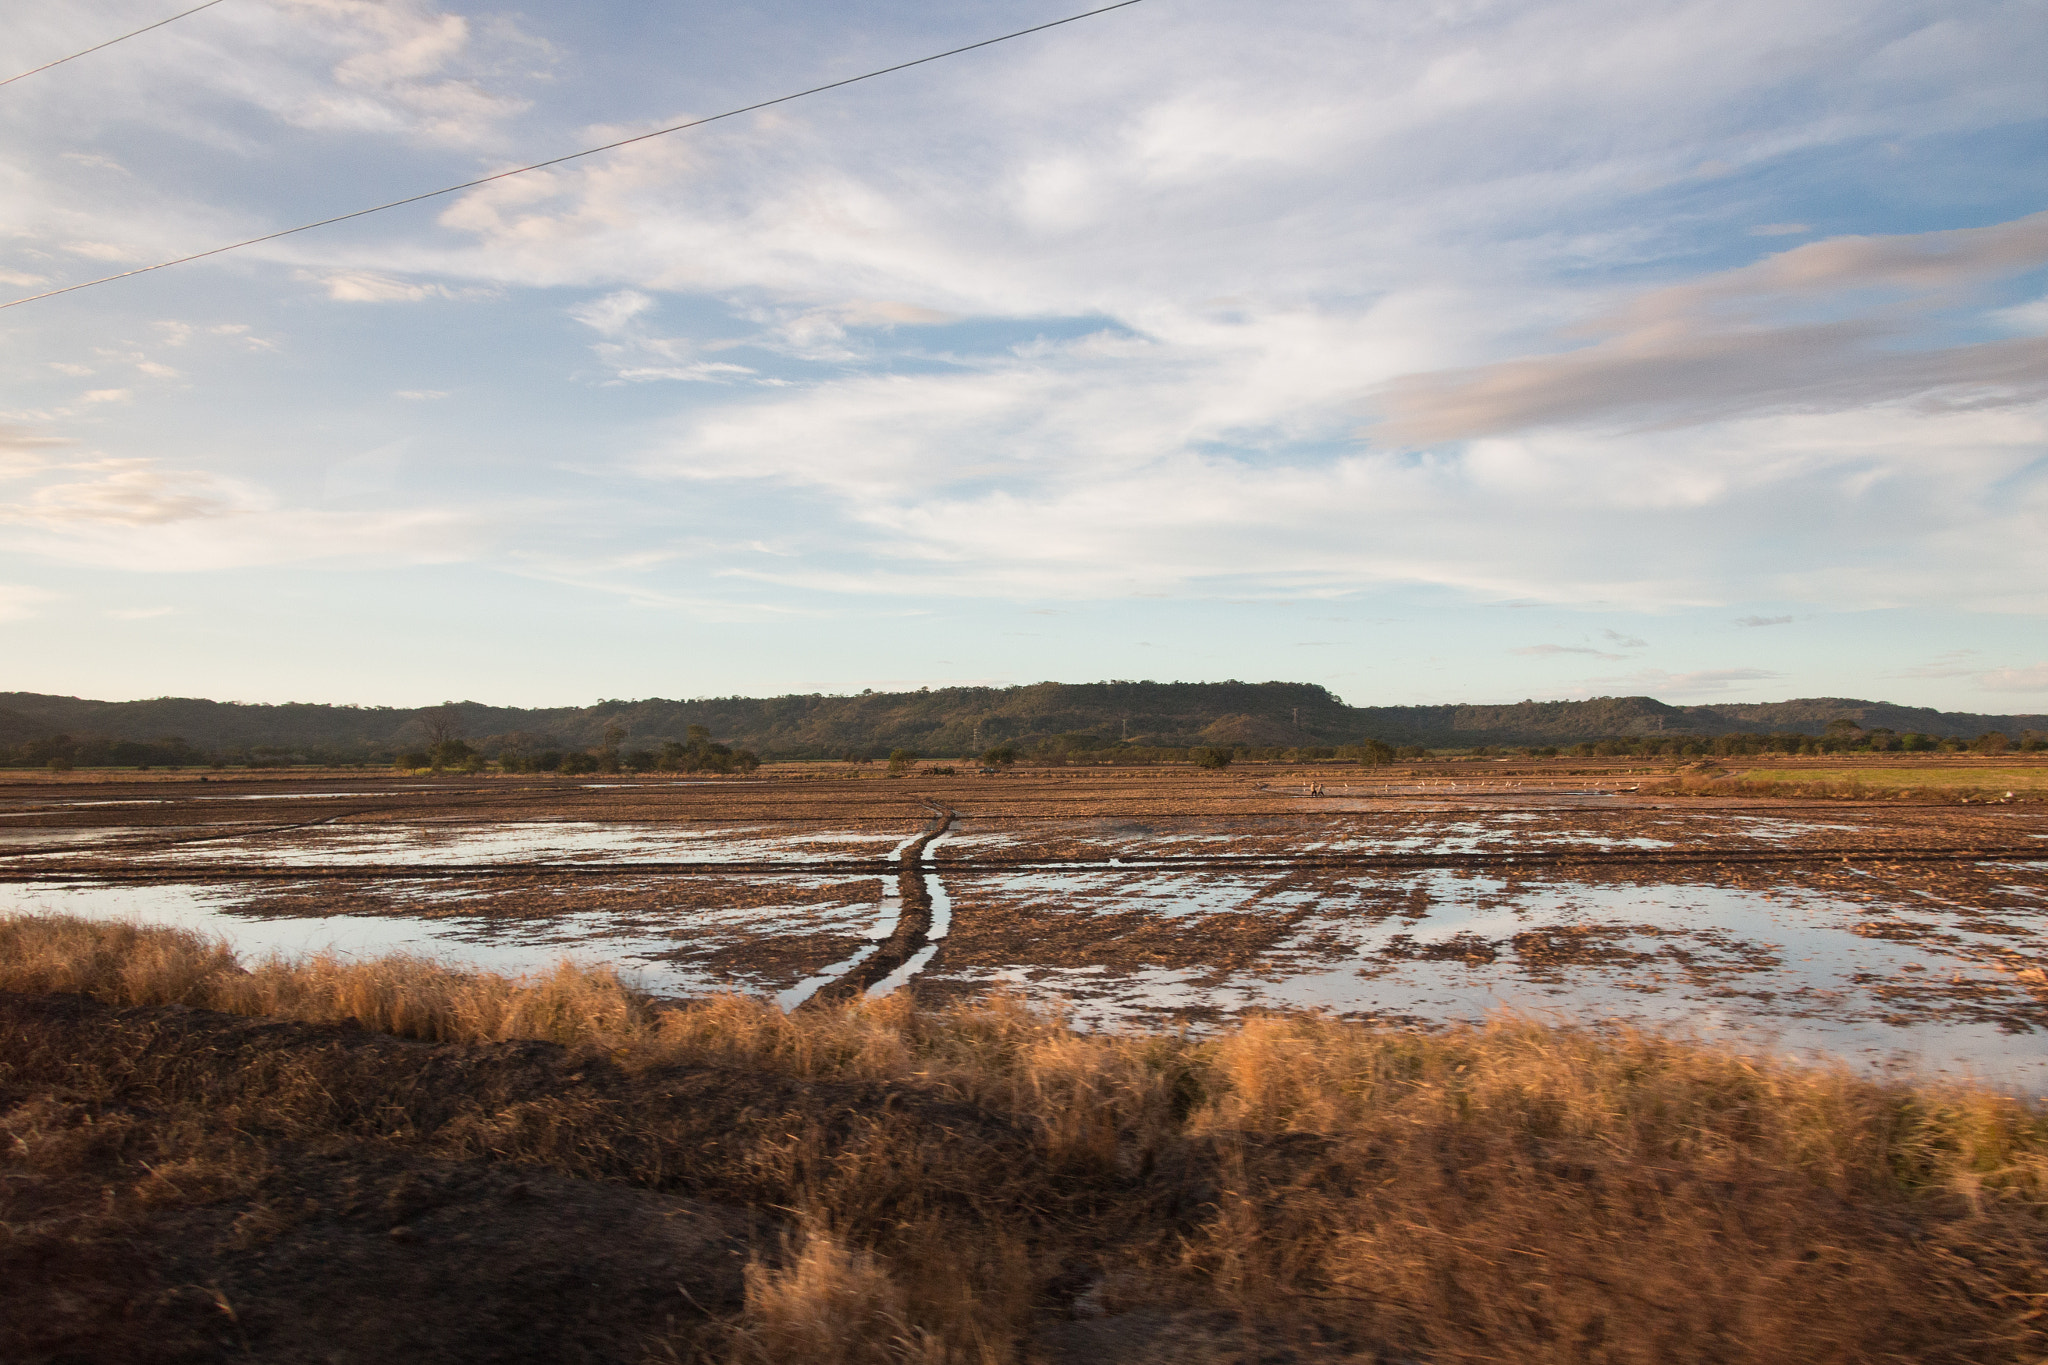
(944, 722)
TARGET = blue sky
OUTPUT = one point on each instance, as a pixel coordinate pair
(1454, 351)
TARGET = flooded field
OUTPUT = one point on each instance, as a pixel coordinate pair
(1889, 934)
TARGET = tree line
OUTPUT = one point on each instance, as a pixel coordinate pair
(522, 752)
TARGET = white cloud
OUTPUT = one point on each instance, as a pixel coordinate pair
(1115, 464)
(1659, 683)
(1547, 651)
(139, 613)
(609, 315)
(1755, 621)
(362, 286)
(128, 493)
(24, 452)
(634, 354)
(421, 395)
(106, 396)
(1779, 230)
(19, 602)
(1260, 243)
(2033, 678)
(96, 161)
(400, 68)
(1703, 351)
(101, 251)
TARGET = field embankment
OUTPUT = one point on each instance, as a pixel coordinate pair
(1879, 779)
(389, 1160)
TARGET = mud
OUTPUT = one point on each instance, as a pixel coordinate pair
(1893, 934)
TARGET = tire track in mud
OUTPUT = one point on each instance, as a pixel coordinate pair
(911, 944)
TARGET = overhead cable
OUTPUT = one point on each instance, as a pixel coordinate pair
(572, 156)
(110, 42)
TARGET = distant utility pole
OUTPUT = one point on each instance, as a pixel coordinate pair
(1297, 717)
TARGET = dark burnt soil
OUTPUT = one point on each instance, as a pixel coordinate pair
(183, 1186)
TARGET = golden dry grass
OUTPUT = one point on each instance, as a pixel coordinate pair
(1889, 775)
(1947, 789)
(1512, 1192)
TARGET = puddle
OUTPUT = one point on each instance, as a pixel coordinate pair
(1897, 969)
(512, 947)
(1784, 968)
(805, 989)
(538, 842)
(911, 968)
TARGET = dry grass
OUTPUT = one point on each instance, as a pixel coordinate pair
(826, 1302)
(1953, 783)
(1515, 1192)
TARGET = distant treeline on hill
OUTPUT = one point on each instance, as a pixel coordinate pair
(1073, 722)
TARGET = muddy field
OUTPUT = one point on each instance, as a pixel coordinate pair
(1891, 933)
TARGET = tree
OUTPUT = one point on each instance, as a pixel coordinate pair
(1374, 754)
(900, 761)
(1216, 757)
(614, 732)
(1002, 755)
(442, 723)
(1991, 742)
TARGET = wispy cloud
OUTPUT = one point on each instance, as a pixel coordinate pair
(635, 354)
(2033, 678)
(1546, 651)
(1756, 621)
(364, 286)
(1711, 350)
(1657, 682)
(18, 602)
(128, 493)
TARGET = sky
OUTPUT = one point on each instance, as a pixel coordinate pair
(1466, 350)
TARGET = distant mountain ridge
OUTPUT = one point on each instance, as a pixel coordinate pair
(954, 721)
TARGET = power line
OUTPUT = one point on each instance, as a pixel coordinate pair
(572, 156)
(110, 42)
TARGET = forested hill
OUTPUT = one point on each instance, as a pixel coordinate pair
(957, 720)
